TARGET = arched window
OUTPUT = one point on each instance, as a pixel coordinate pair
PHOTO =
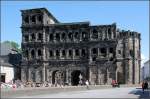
(63, 53)
(40, 18)
(109, 33)
(40, 36)
(26, 19)
(57, 36)
(39, 52)
(26, 38)
(103, 52)
(110, 50)
(51, 37)
(70, 52)
(57, 53)
(95, 34)
(83, 35)
(33, 19)
(83, 52)
(50, 53)
(94, 51)
(26, 53)
(33, 36)
(70, 35)
(77, 52)
(32, 53)
(63, 36)
(76, 35)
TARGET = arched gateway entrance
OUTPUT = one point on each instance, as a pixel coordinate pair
(76, 77)
(58, 77)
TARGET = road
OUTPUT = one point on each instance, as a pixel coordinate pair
(129, 92)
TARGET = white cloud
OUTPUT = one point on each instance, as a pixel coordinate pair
(143, 59)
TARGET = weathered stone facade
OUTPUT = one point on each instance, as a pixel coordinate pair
(61, 52)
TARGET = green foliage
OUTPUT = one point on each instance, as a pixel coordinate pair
(14, 45)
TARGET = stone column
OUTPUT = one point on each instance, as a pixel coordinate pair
(73, 53)
(107, 52)
(112, 34)
(23, 75)
(69, 77)
(29, 74)
(43, 73)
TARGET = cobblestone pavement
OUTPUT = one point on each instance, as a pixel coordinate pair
(129, 92)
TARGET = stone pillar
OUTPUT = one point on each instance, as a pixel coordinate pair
(23, 75)
(43, 73)
(112, 34)
(99, 53)
(29, 74)
(67, 76)
(36, 75)
(73, 53)
(107, 52)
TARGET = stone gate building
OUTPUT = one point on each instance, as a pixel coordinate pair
(61, 52)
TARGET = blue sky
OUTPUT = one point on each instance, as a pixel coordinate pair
(129, 15)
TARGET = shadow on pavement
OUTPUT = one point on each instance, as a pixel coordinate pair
(142, 95)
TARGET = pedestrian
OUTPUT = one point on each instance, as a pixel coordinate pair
(143, 86)
(87, 84)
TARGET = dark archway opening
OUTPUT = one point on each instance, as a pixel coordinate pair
(53, 77)
(75, 77)
(3, 78)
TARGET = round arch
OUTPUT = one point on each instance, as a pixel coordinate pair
(77, 77)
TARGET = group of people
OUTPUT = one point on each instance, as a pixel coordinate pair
(144, 85)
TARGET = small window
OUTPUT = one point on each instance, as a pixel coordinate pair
(40, 18)
(83, 52)
(27, 53)
(119, 51)
(131, 53)
(39, 52)
(76, 35)
(70, 52)
(70, 35)
(32, 54)
(77, 52)
(51, 37)
(26, 38)
(33, 19)
(94, 59)
(63, 36)
(50, 53)
(57, 36)
(26, 19)
(63, 53)
(95, 34)
(57, 53)
(94, 51)
(103, 52)
(109, 33)
(33, 36)
(110, 50)
(83, 35)
(40, 36)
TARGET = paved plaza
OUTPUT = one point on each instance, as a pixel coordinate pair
(128, 92)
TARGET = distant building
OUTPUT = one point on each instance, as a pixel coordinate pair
(145, 70)
(61, 52)
(7, 69)
(10, 61)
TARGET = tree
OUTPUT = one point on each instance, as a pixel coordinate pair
(14, 45)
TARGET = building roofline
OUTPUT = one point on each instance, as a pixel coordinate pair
(44, 9)
(70, 23)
